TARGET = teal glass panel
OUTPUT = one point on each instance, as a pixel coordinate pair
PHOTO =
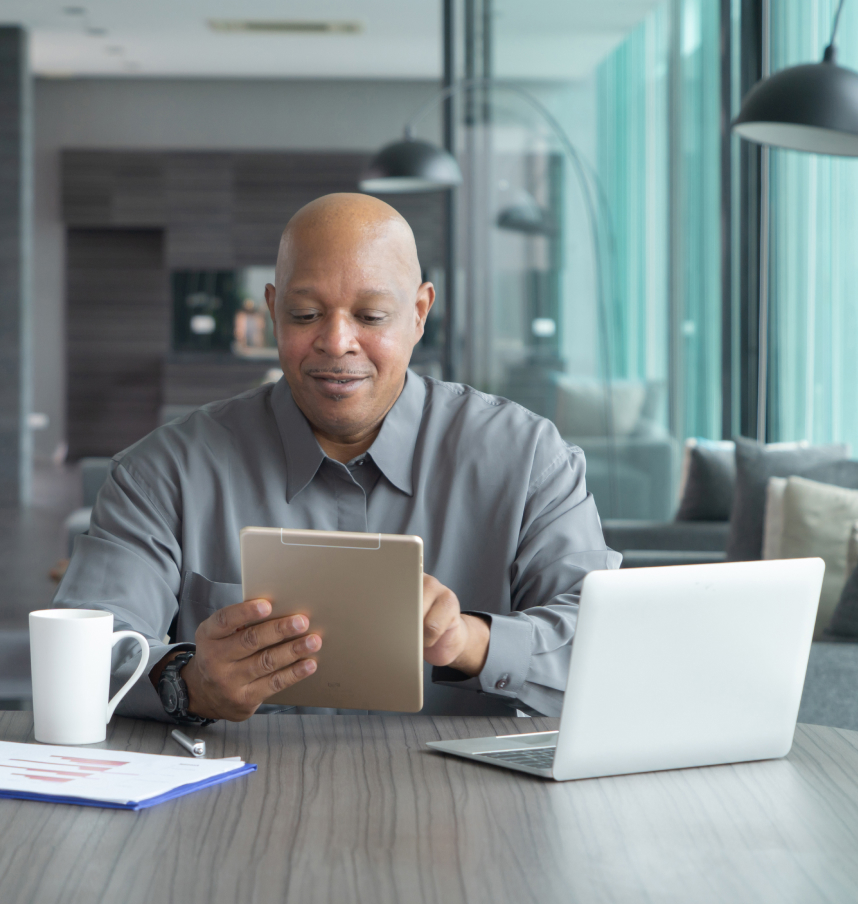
(633, 157)
(813, 360)
(697, 241)
(627, 381)
(734, 427)
(661, 169)
(550, 328)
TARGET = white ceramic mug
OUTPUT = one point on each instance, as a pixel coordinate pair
(70, 663)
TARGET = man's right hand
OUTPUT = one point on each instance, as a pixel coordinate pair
(239, 663)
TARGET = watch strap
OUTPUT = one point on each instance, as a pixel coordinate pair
(174, 692)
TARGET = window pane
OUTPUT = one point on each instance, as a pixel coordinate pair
(814, 268)
(627, 373)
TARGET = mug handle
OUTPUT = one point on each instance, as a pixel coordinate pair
(144, 661)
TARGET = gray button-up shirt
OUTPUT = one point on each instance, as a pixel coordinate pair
(497, 496)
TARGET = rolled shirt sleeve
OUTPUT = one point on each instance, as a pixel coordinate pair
(559, 543)
(128, 564)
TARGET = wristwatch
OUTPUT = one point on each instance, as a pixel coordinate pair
(174, 692)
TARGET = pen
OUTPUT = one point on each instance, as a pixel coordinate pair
(195, 747)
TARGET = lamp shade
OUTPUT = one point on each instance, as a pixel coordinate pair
(410, 166)
(525, 215)
(811, 108)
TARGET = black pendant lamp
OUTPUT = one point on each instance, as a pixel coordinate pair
(813, 107)
(410, 165)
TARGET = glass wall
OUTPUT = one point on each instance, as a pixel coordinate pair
(659, 131)
(814, 267)
(590, 231)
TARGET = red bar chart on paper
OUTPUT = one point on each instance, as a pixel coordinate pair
(105, 777)
(56, 768)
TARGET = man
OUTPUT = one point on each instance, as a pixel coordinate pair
(348, 440)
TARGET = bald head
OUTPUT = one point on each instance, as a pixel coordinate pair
(350, 225)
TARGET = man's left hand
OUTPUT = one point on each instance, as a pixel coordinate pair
(449, 637)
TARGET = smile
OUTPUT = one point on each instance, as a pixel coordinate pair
(338, 384)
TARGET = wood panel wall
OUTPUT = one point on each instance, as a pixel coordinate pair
(15, 379)
(118, 332)
(132, 217)
(220, 209)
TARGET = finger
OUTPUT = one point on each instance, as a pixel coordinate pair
(263, 688)
(250, 640)
(228, 620)
(273, 659)
(441, 617)
(432, 589)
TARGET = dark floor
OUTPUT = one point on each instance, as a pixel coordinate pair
(32, 540)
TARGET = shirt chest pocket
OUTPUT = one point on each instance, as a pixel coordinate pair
(198, 599)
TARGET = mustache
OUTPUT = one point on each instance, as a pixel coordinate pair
(336, 372)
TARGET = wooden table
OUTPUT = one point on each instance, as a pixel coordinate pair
(356, 809)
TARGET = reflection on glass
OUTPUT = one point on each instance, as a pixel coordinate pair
(250, 326)
(627, 375)
(223, 311)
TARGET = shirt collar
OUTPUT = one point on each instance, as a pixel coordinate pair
(304, 455)
(392, 451)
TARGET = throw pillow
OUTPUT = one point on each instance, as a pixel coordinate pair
(755, 464)
(818, 520)
(709, 477)
(583, 405)
(844, 622)
(840, 473)
(773, 526)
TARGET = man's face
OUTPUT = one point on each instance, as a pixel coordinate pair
(346, 318)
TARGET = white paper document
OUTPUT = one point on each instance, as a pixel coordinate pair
(111, 778)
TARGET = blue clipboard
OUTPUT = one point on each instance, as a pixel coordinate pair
(181, 791)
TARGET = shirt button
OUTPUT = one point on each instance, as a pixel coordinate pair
(502, 682)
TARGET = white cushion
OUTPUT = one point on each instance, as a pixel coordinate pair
(773, 525)
(818, 521)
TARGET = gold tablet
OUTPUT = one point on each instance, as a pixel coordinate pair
(363, 595)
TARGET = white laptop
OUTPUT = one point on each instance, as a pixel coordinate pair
(673, 667)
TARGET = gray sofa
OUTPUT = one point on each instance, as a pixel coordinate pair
(632, 467)
(831, 686)
(641, 468)
(648, 543)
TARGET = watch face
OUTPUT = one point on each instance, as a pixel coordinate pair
(169, 697)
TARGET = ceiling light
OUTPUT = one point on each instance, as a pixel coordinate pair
(262, 26)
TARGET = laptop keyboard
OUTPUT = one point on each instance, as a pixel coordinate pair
(537, 758)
